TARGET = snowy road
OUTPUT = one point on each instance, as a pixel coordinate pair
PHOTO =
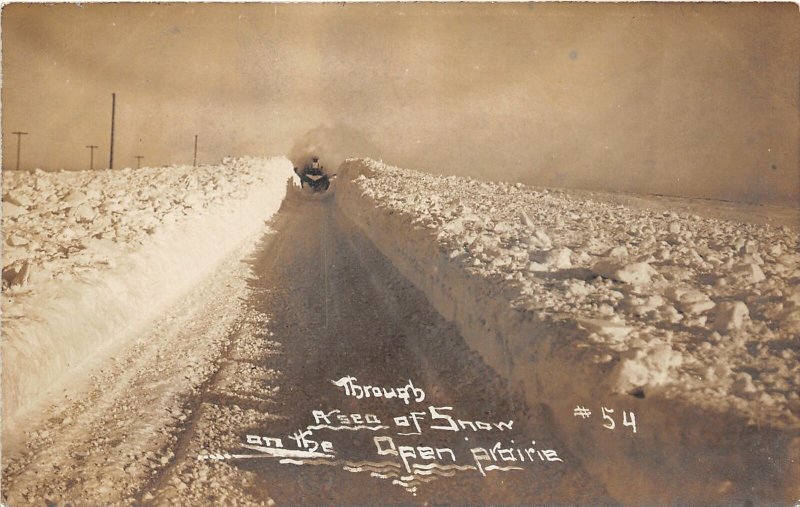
(336, 307)
(322, 304)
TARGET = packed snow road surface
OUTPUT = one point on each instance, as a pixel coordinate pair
(316, 303)
(332, 307)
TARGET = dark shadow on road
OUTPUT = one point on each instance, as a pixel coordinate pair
(339, 308)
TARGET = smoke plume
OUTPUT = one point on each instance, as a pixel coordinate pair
(332, 144)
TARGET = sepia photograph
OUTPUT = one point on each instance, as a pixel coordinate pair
(400, 253)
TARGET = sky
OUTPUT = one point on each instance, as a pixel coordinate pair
(697, 100)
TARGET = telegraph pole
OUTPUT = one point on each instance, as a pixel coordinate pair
(138, 161)
(19, 144)
(91, 156)
(195, 150)
(113, 110)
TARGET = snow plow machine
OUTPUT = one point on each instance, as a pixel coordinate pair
(313, 176)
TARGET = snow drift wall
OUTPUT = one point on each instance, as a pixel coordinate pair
(543, 320)
(90, 257)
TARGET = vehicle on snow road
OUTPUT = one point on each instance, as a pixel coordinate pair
(313, 176)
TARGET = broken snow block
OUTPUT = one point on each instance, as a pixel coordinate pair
(83, 212)
(649, 367)
(790, 322)
(74, 198)
(616, 331)
(17, 199)
(538, 267)
(619, 252)
(12, 210)
(749, 272)
(502, 227)
(730, 316)
(16, 240)
(561, 258)
(540, 240)
(637, 273)
(455, 227)
(743, 384)
(695, 302)
(526, 220)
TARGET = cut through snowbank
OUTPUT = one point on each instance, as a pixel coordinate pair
(689, 323)
(90, 257)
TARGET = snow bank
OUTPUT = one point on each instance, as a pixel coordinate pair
(92, 256)
(690, 323)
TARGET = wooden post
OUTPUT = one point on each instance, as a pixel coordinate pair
(19, 144)
(91, 156)
(113, 110)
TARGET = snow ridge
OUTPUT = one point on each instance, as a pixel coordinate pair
(92, 256)
(680, 318)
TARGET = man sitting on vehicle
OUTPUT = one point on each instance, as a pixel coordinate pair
(312, 169)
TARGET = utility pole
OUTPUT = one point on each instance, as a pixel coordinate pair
(19, 144)
(195, 150)
(138, 161)
(91, 156)
(113, 110)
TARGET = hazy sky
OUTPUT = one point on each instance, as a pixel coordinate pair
(686, 99)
